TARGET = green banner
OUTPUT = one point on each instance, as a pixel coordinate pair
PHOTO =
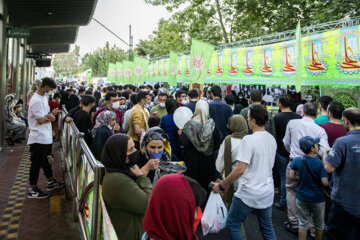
(200, 59)
(127, 72)
(111, 72)
(329, 58)
(140, 68)
(118, 72)
(172, 68)
(299, 53)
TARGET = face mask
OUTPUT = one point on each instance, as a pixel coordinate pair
(48, 94)
(153, 155)
(162, 105)
(115, 105)
(133, 159)
(184, 102)
(122, 107)
(146, 105)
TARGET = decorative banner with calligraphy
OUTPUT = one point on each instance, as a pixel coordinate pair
(140, 68)
(201, 54)
(118, 72)
(127, 72)
(111, 72)
(329, 58)
(172, 68)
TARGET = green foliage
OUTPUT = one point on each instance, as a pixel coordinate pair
(222, 21)
(98, 61)
(67, 63)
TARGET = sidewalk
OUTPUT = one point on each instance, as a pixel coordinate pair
(22, 218)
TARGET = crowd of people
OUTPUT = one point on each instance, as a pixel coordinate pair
(238, 150)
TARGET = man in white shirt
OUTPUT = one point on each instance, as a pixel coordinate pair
(254, 170)
(40, 139)
(295, 130)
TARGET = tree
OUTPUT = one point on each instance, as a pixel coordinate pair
(67, 63)
(98, 61)
(222, 21)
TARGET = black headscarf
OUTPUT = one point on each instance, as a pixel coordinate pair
(72, 102)
(171, 105)
(115, 153)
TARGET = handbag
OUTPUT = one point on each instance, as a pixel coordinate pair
(326, 191)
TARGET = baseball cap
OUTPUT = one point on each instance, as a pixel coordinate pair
(307, 142)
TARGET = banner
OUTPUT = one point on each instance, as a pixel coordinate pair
(127, 72)
(299, 57)
(172, 68)
(118, 72)
(200, 59)
(140, 69)
(329, 58)
(111, 72)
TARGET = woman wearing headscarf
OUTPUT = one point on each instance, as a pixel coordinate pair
(104, 128)
(226, 159)
(125, 188)
(156, 158)
(177, 220)
(168, 125)
(13, 123)
(200, 138)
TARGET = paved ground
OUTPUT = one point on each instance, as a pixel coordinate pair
(22, 218)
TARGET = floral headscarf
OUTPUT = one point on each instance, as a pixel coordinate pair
(200, 128)
(104, 119)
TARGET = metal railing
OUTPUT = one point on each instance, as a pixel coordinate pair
(84, 174)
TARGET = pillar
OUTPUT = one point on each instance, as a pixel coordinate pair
(3, 66)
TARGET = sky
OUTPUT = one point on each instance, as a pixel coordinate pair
(117, 15)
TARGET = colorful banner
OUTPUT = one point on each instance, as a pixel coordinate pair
(118, 72)
(172, 68)
(111, 72)
(200, 59)
(329, 58)
(299, 56)
(140, 69)
(127, 72)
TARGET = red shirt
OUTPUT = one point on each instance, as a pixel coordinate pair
(54, 105)
(333, 131)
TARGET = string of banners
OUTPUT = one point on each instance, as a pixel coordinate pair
(329, 58)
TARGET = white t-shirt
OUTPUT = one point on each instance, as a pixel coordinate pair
(256, 187)
(39, 133)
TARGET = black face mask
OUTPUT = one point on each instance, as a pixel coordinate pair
(133, 159)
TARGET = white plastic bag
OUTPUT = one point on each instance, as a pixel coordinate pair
(215, 214)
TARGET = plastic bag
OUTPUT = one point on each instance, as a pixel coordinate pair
(215, 215)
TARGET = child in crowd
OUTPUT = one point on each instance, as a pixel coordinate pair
(310, 199)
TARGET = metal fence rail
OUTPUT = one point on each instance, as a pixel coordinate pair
(84, 174)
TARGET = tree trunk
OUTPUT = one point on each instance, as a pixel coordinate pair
(225, 35)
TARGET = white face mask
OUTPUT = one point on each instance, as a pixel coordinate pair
(49, 93)
(162, 105)
(115, 105)
(184, 102)
(122, 107)
(146, 105)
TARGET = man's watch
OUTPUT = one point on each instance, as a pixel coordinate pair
(221, 187)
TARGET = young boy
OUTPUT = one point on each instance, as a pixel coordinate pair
(310, 199)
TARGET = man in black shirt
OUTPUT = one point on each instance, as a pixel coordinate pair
(82, 118)
(282, 156)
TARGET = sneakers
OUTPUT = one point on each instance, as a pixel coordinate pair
(291, 227)
(37, 193)
(53, 185)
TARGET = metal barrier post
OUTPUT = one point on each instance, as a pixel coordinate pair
(94, 224)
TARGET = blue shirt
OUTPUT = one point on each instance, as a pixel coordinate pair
(345, 157)
(308, 190)
(322, 119)
(220, 112)
(191, 105)
(168, 125)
